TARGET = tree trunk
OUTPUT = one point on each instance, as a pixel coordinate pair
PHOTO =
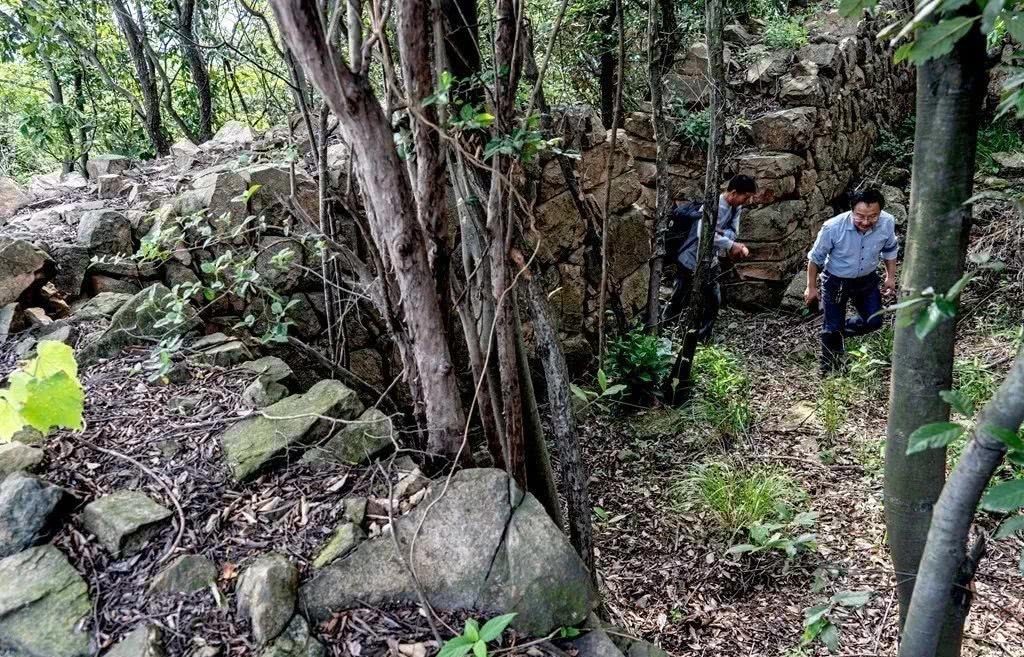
(950, 90)
(462, 47)
(607, 65)
(393, 222)
(146, 77)
(661, 29)
(571, 468)
(57, 101)
(682, 378)
(196, 67)
(83, 130)
(943, 592)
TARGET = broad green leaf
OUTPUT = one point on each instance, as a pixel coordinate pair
(988, 18)
(52, 357)
(1016, 458)
(814, 629)
(958, 402)
(830, 637)
(849, 8)
(742, 549)
(927, 320)
(602, 380)
(456, 647)
(614, 390)
(946, 307)
(1006, 436)
(939, 39)
(10, 420)
(814, 614)
(480, 649)
(805, 518)
(578, 392)
(56, 401)
(1010, 527)
(1015, 26)
(852, 599)
(472, 631)
(1005, 497)
(931, 436)
(493, 628)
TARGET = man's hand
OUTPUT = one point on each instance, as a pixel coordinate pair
(889, 287)
(810, 295)
(738, 251)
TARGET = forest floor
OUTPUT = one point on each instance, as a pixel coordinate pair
(662, 557)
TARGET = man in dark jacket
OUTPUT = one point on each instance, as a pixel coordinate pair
(738, 193)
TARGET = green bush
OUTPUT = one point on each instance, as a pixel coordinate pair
(973, 380)
(784, 32)
(1000, 137)
(694, 128)
(723, 390)
(737, 497)
(638, 361)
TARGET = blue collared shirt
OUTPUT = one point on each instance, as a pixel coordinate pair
(844, 251)
(725, 234)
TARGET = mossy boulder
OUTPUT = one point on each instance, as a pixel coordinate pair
(515, 560)
(42, 604)
(358, 442)
(124, 521)
(286, 429)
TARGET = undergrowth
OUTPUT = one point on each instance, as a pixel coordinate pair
(999, 137)
(723, 391)
(782, 31)
(736, 496)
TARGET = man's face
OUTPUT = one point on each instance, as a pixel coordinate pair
(736, 199)
(865, 216)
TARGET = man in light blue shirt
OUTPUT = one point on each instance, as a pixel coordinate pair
(739, 190)
(846, 254)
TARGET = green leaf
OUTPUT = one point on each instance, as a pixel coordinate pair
(830, 637)
(958, 402)
(1008, 437)
(480, 649)
(931, 436)
(472, 631)
(806, 518)
(614, 390)
(10, 420)
(53, 357)
(1005, 497)
(850, 8)
(456, 647)
(742, 549)
(814, 614)
(602, 379)
(493, 628)
(988, 18)
(927, 320)
(852, 599)
(939, 39)
(578, 392)
(56, 401)
(1010, 527)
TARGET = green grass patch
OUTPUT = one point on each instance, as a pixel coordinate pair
(974, 380)
(781, 31)
(722, 400)
(736, 496)
(1000, 137)
(870, 359)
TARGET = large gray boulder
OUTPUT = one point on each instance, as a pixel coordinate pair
(104, 304)
(43, 602)
(266, 596)
(124, 521)
(482, 545)
(234, 133)
(143, 641)
(286, 429)
(185, 154)
(136, 323)
(12, 198)
(107, 165)
(21, 266)
(106, 232)
(27, 508)
(187, 573)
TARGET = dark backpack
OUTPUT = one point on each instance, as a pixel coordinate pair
(681, 219)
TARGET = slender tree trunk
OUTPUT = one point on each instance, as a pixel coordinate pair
(572, 470)
(57, 101)
(83, 131)
(196, 67)
(146, 76)
(682, 378)
(462, 46)
(943, 592)
(393, 221)
(661, 27)
(950, 90)
(607, 64)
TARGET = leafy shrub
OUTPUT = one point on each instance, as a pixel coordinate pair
(974, 381)
(693, 128)
(784, 32)
(476, 638)
(870, 358)
(819, 624)
(638, 361)
(723, 390)
(780, 537)
(737, 497)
